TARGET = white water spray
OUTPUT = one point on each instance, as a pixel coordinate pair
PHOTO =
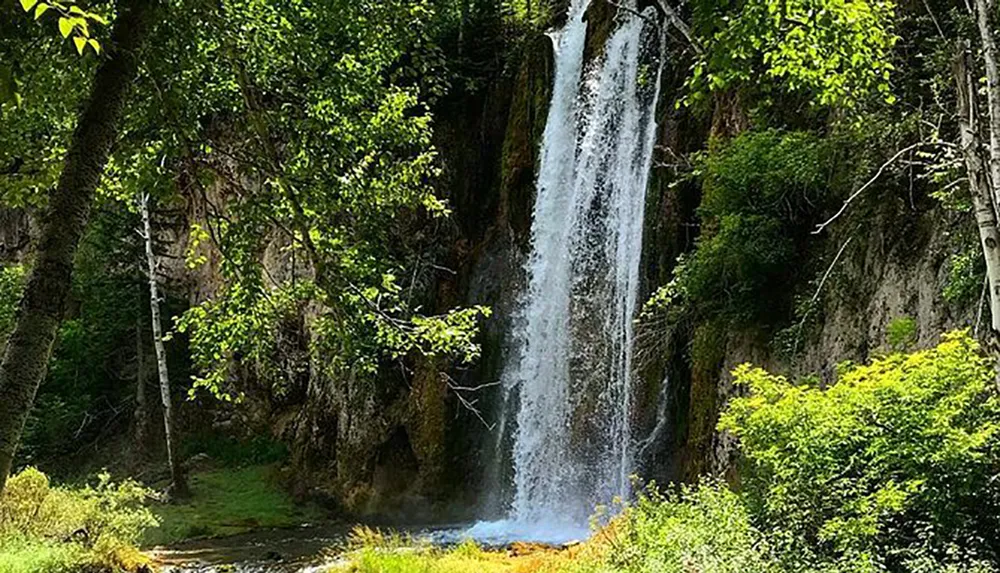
(572, 374)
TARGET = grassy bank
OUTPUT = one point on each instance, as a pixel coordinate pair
(227, 501)
(374, 552)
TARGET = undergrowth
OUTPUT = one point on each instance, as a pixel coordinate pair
(51, 529)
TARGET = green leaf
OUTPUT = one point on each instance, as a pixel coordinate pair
(65, 27)
(41, 9)
(28, 4)
(81, 43)
(95, 45)
(8, 89)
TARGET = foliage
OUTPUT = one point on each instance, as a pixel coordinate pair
(90, 380)
(782, 174)
(41, 86)
(899, 458)
(901, 333)
(375, 551)
(330, 164)
(233, 452)
(11, 287)
(758, 191)
(836, 51)
(703, 528)
(58, 527)
(72, 21)
(227, 501)
(20, 554)
(965, 276)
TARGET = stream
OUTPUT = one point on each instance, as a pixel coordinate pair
(307, 549)
(304, 550)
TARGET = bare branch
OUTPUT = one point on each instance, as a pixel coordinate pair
(829, 270)
(819, 290)
(469, 405)
(681, 26)
(870, 182)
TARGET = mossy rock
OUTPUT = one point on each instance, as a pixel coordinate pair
(525, 126)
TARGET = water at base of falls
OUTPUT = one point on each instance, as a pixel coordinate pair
(571, 377)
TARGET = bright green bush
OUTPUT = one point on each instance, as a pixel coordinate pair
(899, 458)
(703, 528)
(22, 555)
(63, 527)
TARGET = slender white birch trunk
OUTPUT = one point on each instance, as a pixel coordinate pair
(177, 476)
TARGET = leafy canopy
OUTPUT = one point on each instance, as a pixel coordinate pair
(836, 51)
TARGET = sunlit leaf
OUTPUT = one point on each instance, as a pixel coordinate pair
(41, 9)
(65, 27)
(28, 4)
(80, 43)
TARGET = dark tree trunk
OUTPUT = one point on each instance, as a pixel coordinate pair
(42, 307)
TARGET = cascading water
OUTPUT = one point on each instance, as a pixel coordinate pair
(571, 377)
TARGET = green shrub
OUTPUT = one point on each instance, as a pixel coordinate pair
(736, 274)
(703, 528)
(901, 333)
(20, 554)
(900, 458)
(772, 173)
(759, 192)
(965, 276)
(99, 524)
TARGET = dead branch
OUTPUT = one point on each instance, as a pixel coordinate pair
(875, 178)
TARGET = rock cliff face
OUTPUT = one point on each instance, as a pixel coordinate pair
(407, 447)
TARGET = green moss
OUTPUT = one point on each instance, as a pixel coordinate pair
(428, 424)
(525, 125)
(227, 502)
(707, 352)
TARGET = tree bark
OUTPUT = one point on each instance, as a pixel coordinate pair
(141, 415)
(982, 195)
(179, 484)
(984, 9)
(42, 307)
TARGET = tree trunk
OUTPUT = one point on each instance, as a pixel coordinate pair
(984, 9)
(179, 484)
(463, 18)
(982, 196)
(141, 415)
(41, 309)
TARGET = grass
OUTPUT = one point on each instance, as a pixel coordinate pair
(374, 552)
(20, 555)
(229, 501)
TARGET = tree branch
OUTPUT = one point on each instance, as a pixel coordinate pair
(681, 26)
(870, 182)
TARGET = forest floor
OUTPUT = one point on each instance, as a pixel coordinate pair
(230, 501)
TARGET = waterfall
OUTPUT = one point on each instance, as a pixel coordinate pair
(571, 377)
